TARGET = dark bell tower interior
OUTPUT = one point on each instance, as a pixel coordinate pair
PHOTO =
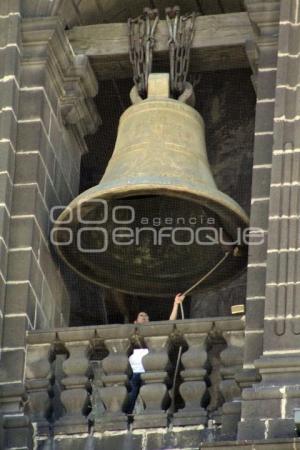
(226, 101)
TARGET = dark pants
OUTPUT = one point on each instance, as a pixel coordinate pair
(135, 383)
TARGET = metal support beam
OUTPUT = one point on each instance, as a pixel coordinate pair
(219, 43)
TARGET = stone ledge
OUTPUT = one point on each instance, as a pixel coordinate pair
(273, 444)
(116, 331)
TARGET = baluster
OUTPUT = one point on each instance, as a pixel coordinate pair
(74, 397)
(154, 392)
(232, 361)
(38, 374)
(193, 387)
(115, 379)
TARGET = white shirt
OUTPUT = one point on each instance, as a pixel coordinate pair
(135, 360)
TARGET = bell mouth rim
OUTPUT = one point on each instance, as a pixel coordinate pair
(184, 192)
(194, 195)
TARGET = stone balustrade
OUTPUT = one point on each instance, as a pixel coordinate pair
(77, 379)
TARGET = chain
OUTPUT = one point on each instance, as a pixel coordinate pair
(141, 42)
(181, 33)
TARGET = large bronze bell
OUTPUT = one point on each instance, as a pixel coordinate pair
(151, 226)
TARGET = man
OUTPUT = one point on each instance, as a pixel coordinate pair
(139, 352)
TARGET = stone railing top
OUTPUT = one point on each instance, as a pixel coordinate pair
(121, 331)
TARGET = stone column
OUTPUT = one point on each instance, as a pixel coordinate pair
(75, 396)
(46, 108)
(15, 429)
(268, 407)
(193, 387)
(263, 59)
(12, 319)
(154, 393)
(38, 373)
(115, 378)
(232, 363)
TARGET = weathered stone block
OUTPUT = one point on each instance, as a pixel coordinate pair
(258, 247)
(12, 366)
(128, 440)
(289, 40)
(32, 74)
(281, 265)
(8, 126)
(24, 232)
(34, 105)
(71, 143)
(4, 224)
(28, 200)
(42, 216)
(19, 263)
(20, 299)
(9, 94)
(261, 180)
(256, 281)
(18, 432)
(253, 347)
(47, 265)
(251, 430)
(260, 214)
(55, 283)
(3, 287)
(285, 103)
(10, 62)
(56, 138)
(41, 320)
(279, 161)
(23, 266)
(9, 6)
(281, 428)
(5, 189)
(36, 276)
(274, 236)
(255, 314)
(7, 158)
(266, 83)
(29, 136)
(268, 57)
(266, 409)
(288, 13)
(48, 303)
(51, 197)
(14, 331)
(30, 169)
(61, 187)
(47, 154)
(3, 259)
(33, 9)
(264, 117)
(279, 335)
(180, 438)
(24, 199)
(263, 149)
(285, 132)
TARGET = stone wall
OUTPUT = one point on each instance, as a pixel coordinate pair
(272, 332)
(265, 67)
(45, 111)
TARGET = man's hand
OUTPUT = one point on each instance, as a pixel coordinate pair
(179, 299)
